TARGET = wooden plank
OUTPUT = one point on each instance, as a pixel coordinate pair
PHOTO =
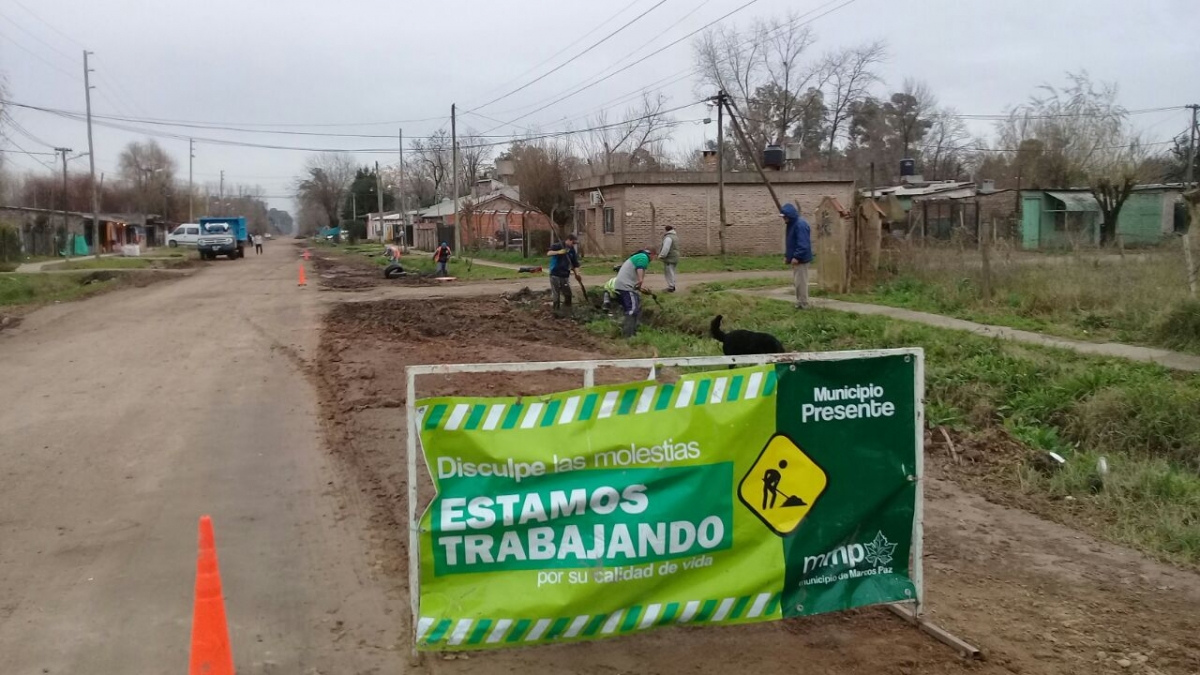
(959, 645)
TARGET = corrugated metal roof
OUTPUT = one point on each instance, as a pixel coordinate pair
(1076, 201)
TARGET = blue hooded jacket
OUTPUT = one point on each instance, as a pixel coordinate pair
(798, 241)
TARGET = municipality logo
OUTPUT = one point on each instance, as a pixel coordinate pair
(878, 552)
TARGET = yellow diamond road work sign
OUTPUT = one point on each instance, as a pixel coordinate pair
(782, 486)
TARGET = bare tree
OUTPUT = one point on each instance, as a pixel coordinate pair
(849, 74)
(326, 177)
(474, 152)
(944, 147)
(1072, 126)
(635, 142)
(149, 172)
(764, 72)
(1112, 176)
(434, 162)
(542, 170)
(1078, 133)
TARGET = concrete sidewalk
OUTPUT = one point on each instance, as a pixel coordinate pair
(1162, 357)
(28, 268)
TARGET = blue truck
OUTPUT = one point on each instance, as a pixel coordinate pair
(225, 236)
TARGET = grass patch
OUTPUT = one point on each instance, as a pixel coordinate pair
(1080, 296)
(1144, 419)
(1179, 328)
(8, 266)
(740, 284)
(37, 288)
(695, 264)
(105, 263)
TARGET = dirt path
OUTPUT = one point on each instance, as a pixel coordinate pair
(1038, 597)
(127, 416)
(1162, 357)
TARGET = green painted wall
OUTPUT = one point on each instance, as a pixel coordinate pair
(1140, 220)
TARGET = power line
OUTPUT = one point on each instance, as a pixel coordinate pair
(388, 150)
(34, 36)
(619, 62)
(655, 52)
(44, 154)
(48, 24)
(39, 58)
(30, 154)
(570, 60)
(560, 52)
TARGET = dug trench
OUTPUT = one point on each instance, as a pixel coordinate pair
(1036, 596)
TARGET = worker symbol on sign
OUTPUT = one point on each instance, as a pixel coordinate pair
(782, 485)
(771, 479)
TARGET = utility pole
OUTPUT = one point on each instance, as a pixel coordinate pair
(221, 191)
(737, 128)
(68, 240)
(721, 168)
(379, 200)
(191, 156)
(1192, 133)
(454, 176)
(403, 212)
(87, 90)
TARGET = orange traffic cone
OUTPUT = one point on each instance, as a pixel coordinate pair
(302, 281)
(211, 654)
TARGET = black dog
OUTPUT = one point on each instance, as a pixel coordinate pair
(739, 342)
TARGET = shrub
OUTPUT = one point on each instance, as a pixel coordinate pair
(1180, 328)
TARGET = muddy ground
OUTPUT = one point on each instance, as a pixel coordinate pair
(1037, 597)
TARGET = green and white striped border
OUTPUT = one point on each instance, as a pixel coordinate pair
(449, 633)
(583, 407)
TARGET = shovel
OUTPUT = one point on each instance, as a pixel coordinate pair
(791, 501)
(653, 297)
(583, 288)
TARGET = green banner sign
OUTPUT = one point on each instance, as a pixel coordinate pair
(727, 497)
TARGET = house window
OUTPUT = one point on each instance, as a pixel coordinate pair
(609, 221)
(580, 216)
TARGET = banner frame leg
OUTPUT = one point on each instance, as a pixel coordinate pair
(918, 534)
(964, 648)
(414, 535)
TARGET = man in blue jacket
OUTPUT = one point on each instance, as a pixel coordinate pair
(564, 262)
(798, 253)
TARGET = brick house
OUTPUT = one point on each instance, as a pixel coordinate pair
(613, 214)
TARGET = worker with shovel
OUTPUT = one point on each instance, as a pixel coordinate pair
(564, 262)
(631, 279)
(771, 478)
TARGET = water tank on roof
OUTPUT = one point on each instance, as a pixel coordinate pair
(773, 157)
(908, 167)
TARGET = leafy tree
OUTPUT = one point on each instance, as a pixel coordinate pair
(362, 197)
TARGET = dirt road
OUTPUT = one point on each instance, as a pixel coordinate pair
(129, 415)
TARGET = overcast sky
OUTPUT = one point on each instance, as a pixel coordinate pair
(304, 62)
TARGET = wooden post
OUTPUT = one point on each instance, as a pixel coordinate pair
(985, 246)
(1191, 264)
(737, 128)
(721, 170)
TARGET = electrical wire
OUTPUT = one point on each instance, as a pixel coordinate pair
(559, 52)
(39, 58)
(30, 154)
(573, 58)
(644, 58)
